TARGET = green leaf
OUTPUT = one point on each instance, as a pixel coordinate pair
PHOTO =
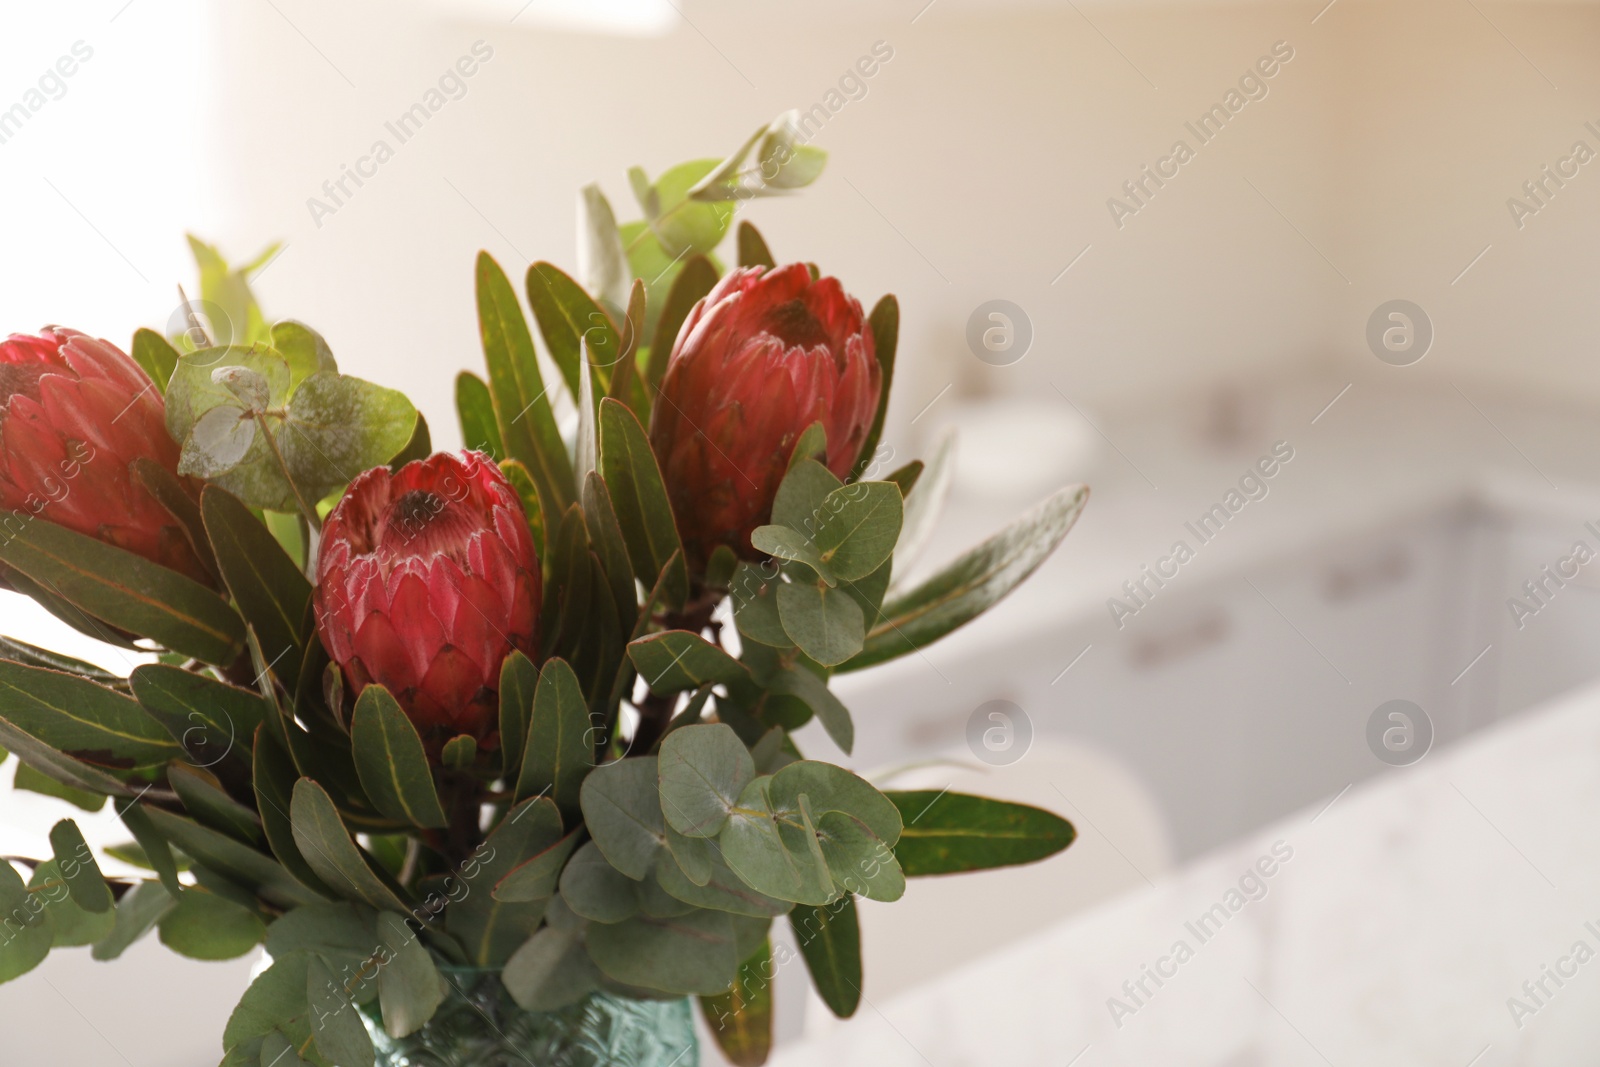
(972, 584)
(39, 755)
(677, 660)
(832, 788)
(204, 926)
(204, 798)
(196, 390)
(805, 486)
(34, 656)
(560, 749)
(885, 325)
(337, 427)
(491, 929)
(127, 591)
(137, 914)
(622, 809)
(231, 858)
(276, 998)
(28, 935)
(755, 606)
(391, 761)
(683, 225)
(829, 937)
(638, 494)
(268, 586)
(602, 264)
(775, 851)
(781, 542)
(521, 407)
(518, 680)
(753, 251)
(946, 833)
(148, 848)
(605, 534)
(336, 1026)
(859, 527)
(475, 409)
(410, 988)
(303, 349)
(210, 719)
(690, 855)
(537, 879)
(70, 925)
(925, 501)
(418, 447)
(459, 752)
(741, 1018)
(596, 890)
(35, 782)
(81, 718)
(723, 889)
(695, 279)
(686, 954)
(702, 770)
(327, 846)
(228, 288)
(825, 622)
(859, 860)
(274, 778)
(550, 971)
(175, 500)
(155, 356)
(568, 318)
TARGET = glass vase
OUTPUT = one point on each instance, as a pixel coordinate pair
(479, 1025)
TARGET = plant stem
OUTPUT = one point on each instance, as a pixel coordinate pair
(310, 512)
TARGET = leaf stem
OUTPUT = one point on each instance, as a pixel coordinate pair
(308, 510)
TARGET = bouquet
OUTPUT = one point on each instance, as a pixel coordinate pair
(491, 749)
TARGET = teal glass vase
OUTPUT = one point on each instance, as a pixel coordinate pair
(479, 1025)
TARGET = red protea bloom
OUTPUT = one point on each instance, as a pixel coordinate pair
(426, 581)
(764, 355)
(75, 413)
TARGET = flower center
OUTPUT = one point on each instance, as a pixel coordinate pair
(421, 523)
(794, 324)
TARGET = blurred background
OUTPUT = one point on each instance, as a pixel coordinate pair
(1368, 269)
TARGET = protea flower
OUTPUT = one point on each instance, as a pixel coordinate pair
(426, 581)
(763, 356)
(75, 412)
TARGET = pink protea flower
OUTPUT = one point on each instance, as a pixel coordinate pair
(75, 412)
(426, 581)
(763, 356)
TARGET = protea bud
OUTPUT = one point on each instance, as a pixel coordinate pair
(426, 581)
(763, 356)
(75, 412)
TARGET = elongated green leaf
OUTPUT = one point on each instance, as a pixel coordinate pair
(34, 656)
(28, 936)
(947, 833)
(410, 988)
(972, 584)
(34, 782)
(327, 846)
(475, 409)
(695, 279)
(605, 534)
(156, 853)
(204, 926)
(825, 622)
(267, 585)
(155, 356)
(78, 867)
(137, 914)
(490, 930)
(204, 798)
(812, 691)
(127, 591)
(81, 718)
(753, 250)
(537, 878)
(885, 325)
(741, 1018)
(702, 770)
(568, 317)
(231, 858)
(622, 809)
(210, 719)
(521, 407)
(637, 493)
(677, 659)
(391, 761)
(519, 678)
(274, 778)
(560, 750)
(830, 940)
(686, 954)
(335, 1024)
(70, 925)
(174, 498)
(51, 762)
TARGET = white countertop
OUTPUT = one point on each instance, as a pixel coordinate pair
(1413, 906)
